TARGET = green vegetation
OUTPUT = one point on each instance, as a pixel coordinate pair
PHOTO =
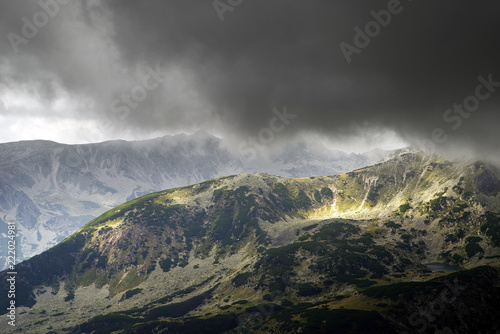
(165, 264)
(241, 279)
(327, 193)
(455, 237)
(240, 302)
(283, 196)
(303, 201)
(203, 186)
(340, 254)
(364, 283)
(108, 323)
(180, 293)
(439, 203)
(491, 227)
(223, 225)
(236, 218)
(121, 209)
(336, 230)
(374, 193)
(310, 227)
(214, 324)
(306, 290)
(315, 320)
(114, 322)
(176, 310)
(460, 207)
(60, 259)
(391, 224)
(405, 291)
(332, 255)
(218, 194)
(408, 295)
(472, 247)
(403, 208)
(130, 293)
(441, 193)
(317, 196)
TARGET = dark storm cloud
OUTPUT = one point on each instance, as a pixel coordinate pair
(230, 74)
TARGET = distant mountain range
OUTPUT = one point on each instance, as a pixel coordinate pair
(52, 189)
(258, 253)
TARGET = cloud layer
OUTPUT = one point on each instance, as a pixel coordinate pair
(93, 62)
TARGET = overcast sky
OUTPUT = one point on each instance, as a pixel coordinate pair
(89, 71)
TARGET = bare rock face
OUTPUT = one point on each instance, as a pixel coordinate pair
(487, 182)
(343, 253)
(51, 190)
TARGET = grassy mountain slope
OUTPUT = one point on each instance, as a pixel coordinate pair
(260, 253)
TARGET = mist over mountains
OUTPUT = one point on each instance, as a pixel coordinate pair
(266, 222)
(52, 189)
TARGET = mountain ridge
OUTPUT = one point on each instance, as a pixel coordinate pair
(52, 189)
(242, 238)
